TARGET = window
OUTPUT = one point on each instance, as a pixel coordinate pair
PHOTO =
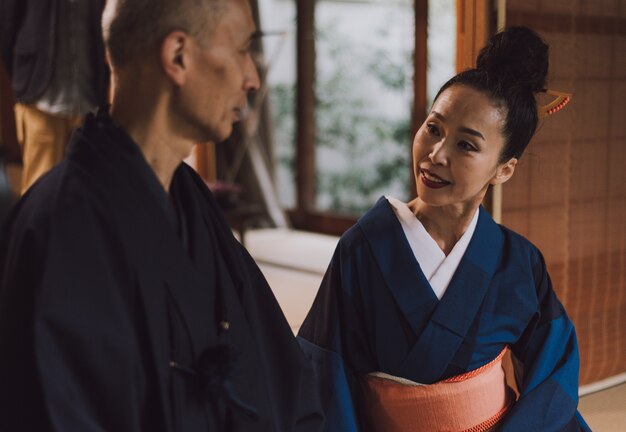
(364, 99)
(359, 112)
(441, 45)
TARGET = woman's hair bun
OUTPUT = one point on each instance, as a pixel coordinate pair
(516, 56)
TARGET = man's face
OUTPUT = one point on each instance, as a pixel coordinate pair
(221, 74)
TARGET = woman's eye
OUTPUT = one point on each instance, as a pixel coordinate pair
(432, 129)
(464, 145)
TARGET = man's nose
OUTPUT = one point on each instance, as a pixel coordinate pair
(252, 81)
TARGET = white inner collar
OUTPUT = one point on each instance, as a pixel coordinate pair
(436, 266)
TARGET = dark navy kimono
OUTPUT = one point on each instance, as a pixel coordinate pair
(375, 311)
(123, 308)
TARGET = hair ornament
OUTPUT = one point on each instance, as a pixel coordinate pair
(560, 100)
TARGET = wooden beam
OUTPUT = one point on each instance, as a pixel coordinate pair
(305, 106)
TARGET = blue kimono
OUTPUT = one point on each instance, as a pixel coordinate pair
(375, 311)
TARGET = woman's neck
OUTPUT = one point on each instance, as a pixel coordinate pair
(445, 224)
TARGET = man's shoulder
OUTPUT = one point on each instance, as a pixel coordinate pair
(57, 217)
(194, 179)
(62, 192)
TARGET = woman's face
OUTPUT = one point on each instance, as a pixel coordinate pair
(456, 151)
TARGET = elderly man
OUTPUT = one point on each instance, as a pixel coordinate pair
(125, 302)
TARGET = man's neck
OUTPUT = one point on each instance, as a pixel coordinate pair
(147, 121)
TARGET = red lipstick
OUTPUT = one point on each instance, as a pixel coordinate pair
(431, 180)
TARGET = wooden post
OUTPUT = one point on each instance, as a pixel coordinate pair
(420, 63)
(474, 26)
(420, 68)
(495, 198)
(205, 163)
(305, 106)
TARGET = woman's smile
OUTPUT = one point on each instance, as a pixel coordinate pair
(456, 151)
(432, 180)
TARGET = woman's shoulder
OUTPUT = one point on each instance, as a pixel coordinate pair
(515, 241)
(379, 217)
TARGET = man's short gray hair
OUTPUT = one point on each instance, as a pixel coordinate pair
(133, 29)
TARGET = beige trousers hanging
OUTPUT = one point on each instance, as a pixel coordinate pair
(43, 138)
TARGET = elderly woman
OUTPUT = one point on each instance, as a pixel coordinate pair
(423, 300)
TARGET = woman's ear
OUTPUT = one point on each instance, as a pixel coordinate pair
(504, 172)
(174, 56)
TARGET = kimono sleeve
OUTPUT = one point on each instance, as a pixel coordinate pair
(549, 360)
(321, 340)
(291, 377)
(71, 361)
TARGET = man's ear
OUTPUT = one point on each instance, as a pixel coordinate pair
(174, 56)
(504, 172)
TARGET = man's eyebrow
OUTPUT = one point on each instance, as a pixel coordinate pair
(256, 35)
(465, 129)
(262, 33)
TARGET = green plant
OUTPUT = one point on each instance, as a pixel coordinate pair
(362, 153)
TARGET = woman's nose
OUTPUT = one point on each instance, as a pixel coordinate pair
(438, 153)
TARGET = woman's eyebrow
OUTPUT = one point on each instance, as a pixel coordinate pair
(472, 132)
(462, 128)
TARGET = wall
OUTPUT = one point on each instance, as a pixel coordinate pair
(569, 194)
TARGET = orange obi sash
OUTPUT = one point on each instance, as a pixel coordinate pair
(472, 402)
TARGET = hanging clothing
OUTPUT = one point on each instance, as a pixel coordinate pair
(376, 312)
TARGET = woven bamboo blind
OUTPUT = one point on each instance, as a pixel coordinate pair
(569, 193)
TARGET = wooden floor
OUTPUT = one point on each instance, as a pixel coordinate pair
(605, 411)
(294, 264)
